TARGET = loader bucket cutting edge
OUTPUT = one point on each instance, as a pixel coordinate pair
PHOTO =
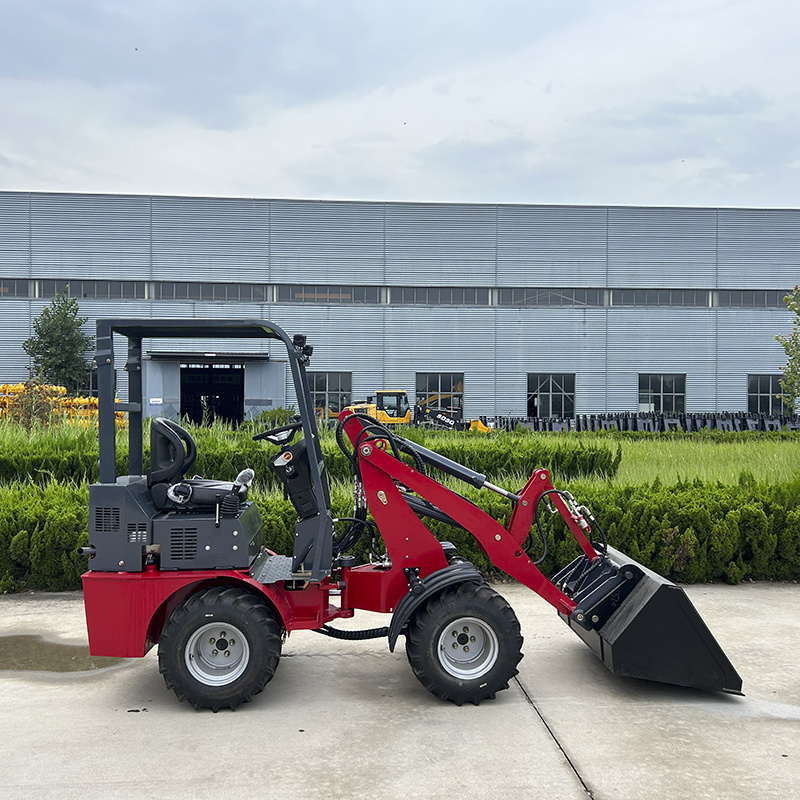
(641, 625)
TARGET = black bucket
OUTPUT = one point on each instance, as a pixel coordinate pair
(641, 625)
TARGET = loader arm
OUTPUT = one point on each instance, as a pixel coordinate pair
(379, 471)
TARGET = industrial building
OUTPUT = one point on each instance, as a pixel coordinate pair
(509, 310)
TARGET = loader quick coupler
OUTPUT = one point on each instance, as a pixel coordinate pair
(600, 592)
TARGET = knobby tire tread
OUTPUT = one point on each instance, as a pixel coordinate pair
(465, 599)
(245, 609)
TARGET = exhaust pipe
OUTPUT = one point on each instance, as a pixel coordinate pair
(90, 550)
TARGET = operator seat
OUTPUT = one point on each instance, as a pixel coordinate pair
(172, 454)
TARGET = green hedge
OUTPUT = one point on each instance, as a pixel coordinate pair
(689, 532)
(695, 532)
(40, 529)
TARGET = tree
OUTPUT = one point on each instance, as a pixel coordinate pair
(58, 345)
(790, 382)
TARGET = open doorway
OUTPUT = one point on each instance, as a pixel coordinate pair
(212, 392)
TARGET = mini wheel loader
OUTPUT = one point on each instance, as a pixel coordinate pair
(179, 562)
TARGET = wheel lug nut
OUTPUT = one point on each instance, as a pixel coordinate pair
(231, 642)
(466, 648)
(472, 638)
(455, 645)
(212, 640)
(227, 653)
(465, 629)
(455, 633)
(214, 652)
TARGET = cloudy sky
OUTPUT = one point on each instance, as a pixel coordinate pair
(666, 102)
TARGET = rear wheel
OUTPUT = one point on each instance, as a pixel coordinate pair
(219, 648)
(464, 644)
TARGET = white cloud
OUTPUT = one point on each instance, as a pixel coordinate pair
(586, 101)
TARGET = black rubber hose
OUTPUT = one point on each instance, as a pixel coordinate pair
(377, 430)
(354, 533)
(539, 524)
(368, 633)
(544, 537)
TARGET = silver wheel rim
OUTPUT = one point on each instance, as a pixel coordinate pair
(468, 648)
(217, 654)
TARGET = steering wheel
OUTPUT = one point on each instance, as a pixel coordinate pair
(282, 435)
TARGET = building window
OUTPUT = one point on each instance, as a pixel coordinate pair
(662, 393)
(762, 395)
(13, 287)
(674, 298)
(439, 296)
(328, 294)
(441, 390)
(550, 297)
(751, 298)
(551, 395)
(330, 392)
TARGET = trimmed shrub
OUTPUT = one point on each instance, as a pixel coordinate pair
(688, 532)
(41, 528)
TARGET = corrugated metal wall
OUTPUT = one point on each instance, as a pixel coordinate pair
(759, 248)
(326, 242)
(71, 236)
(676, 244)
(89, 236)
(551, 246)
(210, 239)
(15, 229)
(440, 245)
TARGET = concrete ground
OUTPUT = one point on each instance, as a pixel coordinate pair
(349, 720)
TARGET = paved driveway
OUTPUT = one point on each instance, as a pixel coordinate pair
(349, 720)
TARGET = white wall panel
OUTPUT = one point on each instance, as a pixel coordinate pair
(90, 236)
(674, 246)
(759, 248)
(551, 246)
(440, 245)
(14, 234)
(394, 244)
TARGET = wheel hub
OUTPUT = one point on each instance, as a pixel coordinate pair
(468, 648)
(216, 655)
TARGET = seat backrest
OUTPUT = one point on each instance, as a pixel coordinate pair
(172, 452)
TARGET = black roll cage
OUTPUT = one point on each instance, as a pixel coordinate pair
(134, 330)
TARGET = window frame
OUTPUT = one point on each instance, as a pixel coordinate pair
(445, 385)
(660, 398)
(557, 386)
(327, 384)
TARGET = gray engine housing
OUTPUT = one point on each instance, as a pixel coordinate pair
(125, 527)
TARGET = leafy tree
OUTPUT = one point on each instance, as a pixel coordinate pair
(58, 345)
(790, 382)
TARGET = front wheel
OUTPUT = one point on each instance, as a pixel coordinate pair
(219, 648)
(465, 643)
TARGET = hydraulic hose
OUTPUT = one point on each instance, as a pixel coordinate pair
(570, 501)
(368, 633)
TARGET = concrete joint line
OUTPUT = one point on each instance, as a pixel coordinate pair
(555, 739)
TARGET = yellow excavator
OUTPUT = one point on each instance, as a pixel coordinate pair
(391, 407)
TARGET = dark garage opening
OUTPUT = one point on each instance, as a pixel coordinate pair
(212, 392)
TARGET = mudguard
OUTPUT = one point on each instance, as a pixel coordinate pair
(421, 590)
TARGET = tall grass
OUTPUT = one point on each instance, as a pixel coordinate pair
(713, 457)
